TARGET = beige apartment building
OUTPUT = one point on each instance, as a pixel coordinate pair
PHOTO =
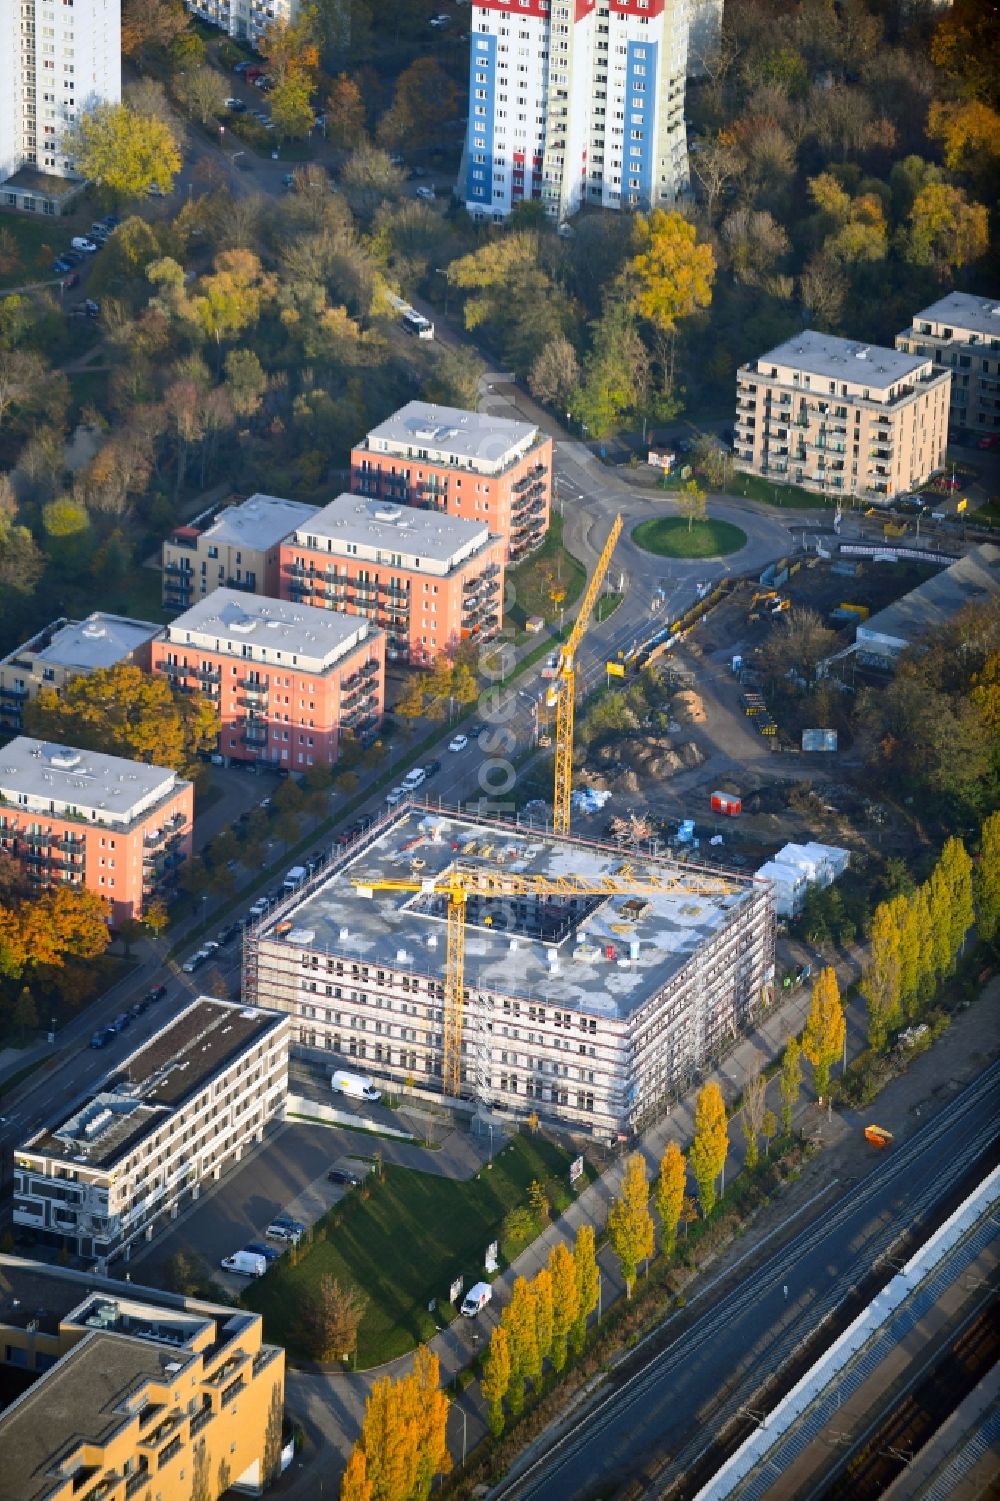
(841, 418)
(961, 333)
(238, 549)
(64, 650)
(114, 1392)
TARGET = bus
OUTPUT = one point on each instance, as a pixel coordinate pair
(415, 323)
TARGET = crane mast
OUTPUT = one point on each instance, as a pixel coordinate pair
(563, 692)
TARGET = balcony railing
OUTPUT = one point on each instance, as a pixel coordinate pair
(135, 1483)
(202, 1419)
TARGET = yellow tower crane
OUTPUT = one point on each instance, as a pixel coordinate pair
(562, 691)
(461, 882)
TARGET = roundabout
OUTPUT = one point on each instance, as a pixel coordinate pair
(672, 537)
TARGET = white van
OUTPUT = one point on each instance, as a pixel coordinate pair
(396, 796)
(355, 1086)
(415, 778)
(245, 1263)
(476, 1299)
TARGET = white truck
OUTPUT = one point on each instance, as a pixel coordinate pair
(245, 1263)
(295, 878)
(476, 1299)
(355, 1086)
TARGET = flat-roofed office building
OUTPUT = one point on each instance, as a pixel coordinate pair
(120, 1160)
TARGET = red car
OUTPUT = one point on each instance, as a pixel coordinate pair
(992, 440)
(72, 280)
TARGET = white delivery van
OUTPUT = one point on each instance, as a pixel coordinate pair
(476, 1299)
(246, 1263)
(355, 1086)
(295, 878)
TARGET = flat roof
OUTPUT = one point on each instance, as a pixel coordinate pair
(933, 603)
(78, 1401)
(452, 432)
(92, 783)
(409, 531)
(277, 630)
(259, 522)
(570, 968)
(146, 1087)
(843, 359)
(29, 179)
(99, 641)
(980, 315)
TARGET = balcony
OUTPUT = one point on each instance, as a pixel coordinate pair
(254, 734)
(16, 691)
(207, 674)
(233, 1390)
(135, 1483)
(202, 1419)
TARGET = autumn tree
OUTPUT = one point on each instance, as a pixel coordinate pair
(630, 1224)
(945, 229)
(346, 114)
(555, 373)
(669, 1195)
(565, 1301)
(542, 1293)
(331, 1318)
(354, 1484)
(123, 152)
(425, 98)
(588, 1284)
(425, 1414)
(124, 711)
(956, 868)
(752, 1110)
(880, 979)
(45, 930)
(904, 918)
(790, 1081)
(291, 106)
(496, 1377)
(671, 274)
(518, 1318)
(797, 643)
(986, 885)
(22, 376)
(151, 26)
(967, 129)
(710, 1145)
(616, 371)
(370, 179)
(825, 1028)
(203, 91)
(230, 298)
(692, 502)
(769, 1129)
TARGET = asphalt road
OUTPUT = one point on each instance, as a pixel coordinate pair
(671, 1405)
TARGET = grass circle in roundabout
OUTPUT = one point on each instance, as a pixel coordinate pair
(669, 537)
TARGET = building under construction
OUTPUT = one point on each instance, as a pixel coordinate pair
(591, 985)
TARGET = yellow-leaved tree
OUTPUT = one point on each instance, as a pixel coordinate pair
(881, 977)
(123, 152)
(987, 882)
(669, 1193)
(630, 1224)
(671, 274)
(496, 1377)
(588, 1284)
(518, 1318)
(710, 1146)
(825, 1029)
(565, 1301)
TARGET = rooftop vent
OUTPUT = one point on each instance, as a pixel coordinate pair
(862, 354)
(93, 630)
(62, 757)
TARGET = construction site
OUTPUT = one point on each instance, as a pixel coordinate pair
(516, 970)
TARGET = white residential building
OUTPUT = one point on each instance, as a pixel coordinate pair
(247, 20)
(168, 1119)
(58, 59)
(574, 102)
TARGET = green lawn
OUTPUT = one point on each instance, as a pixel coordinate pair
(670, 537)
(403, 1245)
(607, 605)
(533, 581)
(753, 487)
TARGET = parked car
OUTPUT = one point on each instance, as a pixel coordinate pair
(136, 1010)
(395, 159)
(102, 1037)
(121, 1021)
(426, 193)
(80, 242)
(74, 257)
(396, 796)
(458, 743)
(241, 67)
(431, 769)
(246, 1263)
(91, 308)
(259, 907)
(200, 957)
(59, 266)
(344, 1175)
(112, 221)
(476, 1299)
(415, 778)
(991, 440)
(261, 1248)
(156, 994)
(228, 933)
(290, 1231)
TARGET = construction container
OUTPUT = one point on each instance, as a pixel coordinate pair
(727, 803)
(878, 1136)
